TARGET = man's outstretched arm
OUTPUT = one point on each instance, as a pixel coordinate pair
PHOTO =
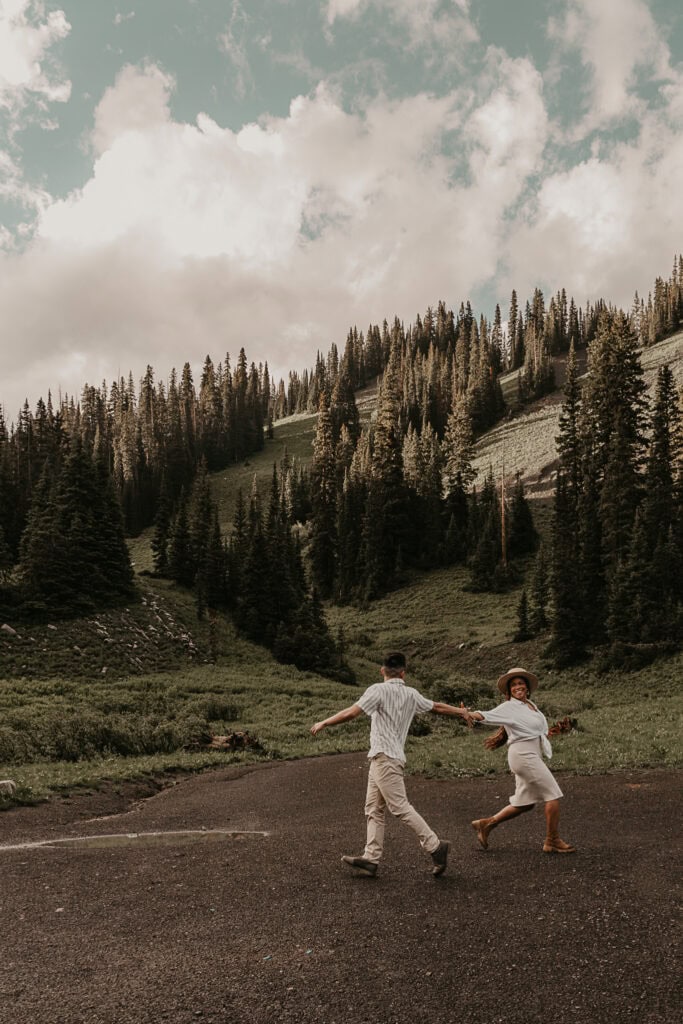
(449, 709)
(342, 716)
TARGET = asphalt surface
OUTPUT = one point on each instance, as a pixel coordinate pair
(273, 928)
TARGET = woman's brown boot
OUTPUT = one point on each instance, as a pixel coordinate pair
(482, 826)
(553, 844)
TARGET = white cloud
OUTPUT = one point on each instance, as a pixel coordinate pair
(137, 102)
(193, 238)
(29, 82)
(343, 9)
(119, 18)
(424, 21)
(26, 35)
(610, 224)
(232, 43)
(15, 190)
(616, 40)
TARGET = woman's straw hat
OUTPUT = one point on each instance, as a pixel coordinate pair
(517, 673)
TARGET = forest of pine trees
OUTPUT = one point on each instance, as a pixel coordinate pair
(616, 575)
(397, 495)
(137, 454)
(382, 499)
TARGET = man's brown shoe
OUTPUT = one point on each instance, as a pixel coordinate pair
(440, 858)
(365, 867)
(553, 844)
(482, 826)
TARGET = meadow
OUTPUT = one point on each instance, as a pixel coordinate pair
(60, 733)
(140, 692)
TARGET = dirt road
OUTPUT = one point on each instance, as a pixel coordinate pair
(271, 928)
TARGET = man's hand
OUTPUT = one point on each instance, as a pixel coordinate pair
(342, 716)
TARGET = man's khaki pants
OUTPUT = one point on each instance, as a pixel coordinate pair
(386, 788)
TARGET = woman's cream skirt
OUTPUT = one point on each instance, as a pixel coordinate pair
(534, 782)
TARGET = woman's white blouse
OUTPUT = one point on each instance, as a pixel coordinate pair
(521, 722)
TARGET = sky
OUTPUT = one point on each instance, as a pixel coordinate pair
(188, 177)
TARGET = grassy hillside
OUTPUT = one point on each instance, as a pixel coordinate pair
(525, 441)
(141, 690)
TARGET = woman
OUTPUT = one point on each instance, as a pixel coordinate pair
(525, 730)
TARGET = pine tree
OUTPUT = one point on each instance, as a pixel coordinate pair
(73, 553)
(6, 560)
(569, 440)
(485, 570)
(665, 452)
(349, 524)
(324, 501)
(162, 528)
(523, 632)
(540, 594)
(236, 552)
(385, 524)
(587, 552)
(181, 563)
(522, 536)
(568, 634)
(113, 556)
(458, 476)
(200, 515)
(210, 576)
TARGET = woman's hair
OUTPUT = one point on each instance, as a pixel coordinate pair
(500, 737)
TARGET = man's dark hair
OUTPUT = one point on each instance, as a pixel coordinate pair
(395, 660)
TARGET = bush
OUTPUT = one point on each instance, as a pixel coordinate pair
(192, 731)
(14, 746)
(83, 735)
(452, 692)
(632, 657)
(214, 709)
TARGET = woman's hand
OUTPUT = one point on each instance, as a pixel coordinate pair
(466, 715)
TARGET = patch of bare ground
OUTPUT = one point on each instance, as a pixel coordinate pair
(270, 928)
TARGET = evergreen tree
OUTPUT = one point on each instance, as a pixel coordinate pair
(540, 594)
(349, 523)
(73, 553)
(664, 454)
(162, 528)
(237, 552)
(385, 523)
(568, 634)
(210, 575)
(523, 632)
(201, 512)
(181, 563)
(569, 440)
(522, 537)
(6, 560)
(324, 502)
(458, 476)
(486, 572)
(589, 575)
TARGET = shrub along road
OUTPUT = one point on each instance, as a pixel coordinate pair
(269, 929)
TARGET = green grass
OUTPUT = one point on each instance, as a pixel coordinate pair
(160, 676)
(457, 644)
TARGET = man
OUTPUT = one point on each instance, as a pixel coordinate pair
(391, 706)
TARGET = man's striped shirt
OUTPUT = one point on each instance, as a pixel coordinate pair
(391, 706)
